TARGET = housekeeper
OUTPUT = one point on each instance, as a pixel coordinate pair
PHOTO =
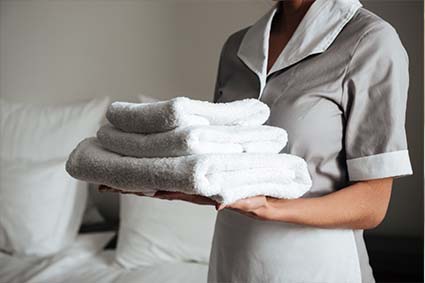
(335, 76)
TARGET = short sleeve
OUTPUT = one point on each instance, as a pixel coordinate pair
(375, 96)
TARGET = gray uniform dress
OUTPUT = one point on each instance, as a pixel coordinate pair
(339, 88)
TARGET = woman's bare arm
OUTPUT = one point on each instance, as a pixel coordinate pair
(362, 205)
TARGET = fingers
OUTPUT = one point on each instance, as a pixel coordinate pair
(165, 195)
(185, 197)
(243, 204)
(238, 206)
(169, 195)
(220, 206)
(204, 200)
(248, 205)
(104, 188)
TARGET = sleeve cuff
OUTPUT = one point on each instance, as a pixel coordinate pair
(389, 164)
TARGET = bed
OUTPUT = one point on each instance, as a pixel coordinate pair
(87, 261)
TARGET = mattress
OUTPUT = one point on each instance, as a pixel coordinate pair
(85, 261)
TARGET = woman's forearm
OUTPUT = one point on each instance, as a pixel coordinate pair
(362, 205)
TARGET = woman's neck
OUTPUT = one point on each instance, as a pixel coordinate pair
(290, 14)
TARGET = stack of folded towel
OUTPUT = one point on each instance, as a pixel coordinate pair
(219, 150)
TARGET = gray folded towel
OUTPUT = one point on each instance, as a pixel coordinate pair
(224, 177)
(194, 140)
(181, 112)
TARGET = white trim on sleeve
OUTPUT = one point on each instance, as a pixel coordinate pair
(389, 164)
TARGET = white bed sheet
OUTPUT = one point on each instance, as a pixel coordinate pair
(86, 262)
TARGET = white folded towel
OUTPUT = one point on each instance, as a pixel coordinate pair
(194, 140)
(181, 112)
(223, 177)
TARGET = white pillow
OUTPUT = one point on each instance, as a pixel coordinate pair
(154, 231)
(40, 133)
(41, 206)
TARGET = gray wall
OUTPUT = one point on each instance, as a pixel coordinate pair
(67, 50)
(58, 51)
(405, 215)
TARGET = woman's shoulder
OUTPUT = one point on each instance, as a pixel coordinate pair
(368, 24)
(364, 28)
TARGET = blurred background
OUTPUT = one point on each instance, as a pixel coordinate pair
(57, 52)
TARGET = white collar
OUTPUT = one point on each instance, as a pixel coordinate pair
(315, 33)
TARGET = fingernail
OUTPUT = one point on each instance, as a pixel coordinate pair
(221, 206)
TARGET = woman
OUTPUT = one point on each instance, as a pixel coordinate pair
(335, 76)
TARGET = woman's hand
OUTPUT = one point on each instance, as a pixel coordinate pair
(259, 207)
(197, 199)
(362, 205)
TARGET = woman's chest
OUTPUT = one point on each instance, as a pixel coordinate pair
(304, 99)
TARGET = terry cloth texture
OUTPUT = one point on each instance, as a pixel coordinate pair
(194, 140)
(223, 177)
(181, 112)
